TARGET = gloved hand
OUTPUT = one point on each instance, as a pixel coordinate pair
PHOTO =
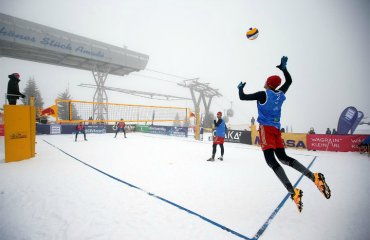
(23, 96)
(241, 85)
(283, 63)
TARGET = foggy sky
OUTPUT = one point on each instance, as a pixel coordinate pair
(327, 43)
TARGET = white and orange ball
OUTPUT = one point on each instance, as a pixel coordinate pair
(252, 33)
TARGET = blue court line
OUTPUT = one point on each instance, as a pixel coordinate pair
(269, 220)
(153, 195)
(256, 236)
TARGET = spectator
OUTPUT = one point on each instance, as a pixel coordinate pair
(282, 130)
(252, 121)
(334, 132)
(328, 131)
(312, 131)
(13, 89)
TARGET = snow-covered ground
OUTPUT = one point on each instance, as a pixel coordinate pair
(80, 190)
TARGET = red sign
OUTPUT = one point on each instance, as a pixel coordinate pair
(337, 143)
(1, 129)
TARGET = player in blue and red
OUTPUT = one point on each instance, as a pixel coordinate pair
(121, 127)
(80, 128)
(219, 138)
(269, 105)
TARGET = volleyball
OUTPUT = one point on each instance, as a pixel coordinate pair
(252, 33)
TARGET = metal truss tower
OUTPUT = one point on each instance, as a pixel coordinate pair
(100, 111)
(206, 93)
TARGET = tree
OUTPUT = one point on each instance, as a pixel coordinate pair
(31, 90)
(208, 120)
(63, 107)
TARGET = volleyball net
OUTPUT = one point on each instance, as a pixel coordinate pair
(72, 111)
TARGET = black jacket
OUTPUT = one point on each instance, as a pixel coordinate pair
(13, 87)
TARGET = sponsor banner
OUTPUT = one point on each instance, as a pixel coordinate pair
(1, 129)
(237, 136)
(55, 129)
(178, 131)
(346, 120)
(95, 129)
(42, 128)
(294, 140)
(68, 129)
(291, 140)
(113, 128)
(338, 143)
(142, 128)
(164, 130)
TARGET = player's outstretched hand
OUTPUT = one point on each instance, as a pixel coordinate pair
(241, 85)
(283, 63)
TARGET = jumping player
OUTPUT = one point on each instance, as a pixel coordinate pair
(80, 128)
(269, 105)
(121, 127)
(219, 138)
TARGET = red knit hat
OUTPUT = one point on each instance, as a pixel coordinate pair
(219, 113)
(273, 81)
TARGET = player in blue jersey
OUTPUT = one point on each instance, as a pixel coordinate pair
(269, 105)
(219, 137)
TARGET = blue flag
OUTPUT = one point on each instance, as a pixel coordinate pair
(347, 119)
(360, 115)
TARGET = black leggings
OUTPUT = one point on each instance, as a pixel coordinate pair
(214, 149)
(12, 101)
(285, 159)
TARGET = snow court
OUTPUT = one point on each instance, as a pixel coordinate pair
(239, 193)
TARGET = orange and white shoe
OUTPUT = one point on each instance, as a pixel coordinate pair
(297, 198)
(321, 185)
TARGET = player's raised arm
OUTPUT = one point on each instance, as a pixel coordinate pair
(288, 79)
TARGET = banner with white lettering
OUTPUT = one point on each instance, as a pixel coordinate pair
(237, 136)
(338, 143)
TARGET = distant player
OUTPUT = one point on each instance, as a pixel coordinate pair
(80, 128)
(219, 138)
(121, 127)
(269, 105)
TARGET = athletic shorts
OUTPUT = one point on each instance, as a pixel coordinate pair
(270, 137)
(218, 140)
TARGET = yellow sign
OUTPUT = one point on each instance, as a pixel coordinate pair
(20, 132)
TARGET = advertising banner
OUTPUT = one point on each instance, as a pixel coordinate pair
(113, 128)
(237, 136)
(68, 129)
(295, 140)
(291, 140)
(42, 128)
(338, 143)
(95, 129)
(346, 120)
(164, 130)
(142, 128)
(55, 129)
